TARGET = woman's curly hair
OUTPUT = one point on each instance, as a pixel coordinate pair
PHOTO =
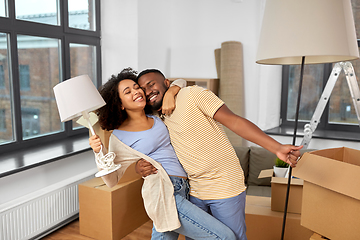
(111, 116)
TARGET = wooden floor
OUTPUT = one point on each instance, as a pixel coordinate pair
(72, 232)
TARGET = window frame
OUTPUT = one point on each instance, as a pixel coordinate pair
(13, 27)
(324, 124)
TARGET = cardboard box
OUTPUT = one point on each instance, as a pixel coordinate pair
(331, 193)
(264, 224)
(111, 213)
(316, 236)
(278, 192)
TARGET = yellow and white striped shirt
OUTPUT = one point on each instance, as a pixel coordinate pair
(202, 146)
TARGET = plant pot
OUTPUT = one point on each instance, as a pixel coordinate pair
(280, 171)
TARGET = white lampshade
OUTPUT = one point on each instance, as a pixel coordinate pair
(77, 96)
(321, 30)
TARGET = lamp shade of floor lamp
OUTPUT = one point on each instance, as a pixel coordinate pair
(299, 32)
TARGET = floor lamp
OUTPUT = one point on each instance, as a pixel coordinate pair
(299, 32)
(77, 97)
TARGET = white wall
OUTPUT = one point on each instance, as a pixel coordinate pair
(29, 181)
(179, 38)
(197, 29)
(119, 36)
(155, 24)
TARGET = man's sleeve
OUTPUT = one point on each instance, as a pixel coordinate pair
(207, 101)
(181, 83)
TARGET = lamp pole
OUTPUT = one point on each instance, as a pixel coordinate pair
(293, 143)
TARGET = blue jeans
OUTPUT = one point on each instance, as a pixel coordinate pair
(230, 211)
(195, 223)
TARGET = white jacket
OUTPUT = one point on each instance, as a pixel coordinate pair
(157, 190)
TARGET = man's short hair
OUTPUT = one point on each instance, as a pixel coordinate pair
(146, 71)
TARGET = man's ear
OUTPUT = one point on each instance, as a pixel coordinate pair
(167, 82)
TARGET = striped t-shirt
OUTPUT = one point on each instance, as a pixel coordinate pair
(202, 146)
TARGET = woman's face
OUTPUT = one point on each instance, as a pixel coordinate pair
(131, 95)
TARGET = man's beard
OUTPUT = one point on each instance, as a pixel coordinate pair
(157, 105)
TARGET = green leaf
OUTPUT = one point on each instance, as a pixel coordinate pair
(281, 163)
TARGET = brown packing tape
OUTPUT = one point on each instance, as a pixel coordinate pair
(282, 180)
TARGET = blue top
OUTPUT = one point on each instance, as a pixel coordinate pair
(155, 143)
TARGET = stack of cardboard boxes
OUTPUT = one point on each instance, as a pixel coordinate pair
(326, 198)
(111, 213)
(264, 215)
(265, 224)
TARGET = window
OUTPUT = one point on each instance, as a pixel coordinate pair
(3, 12)
(77, 10)
(41, 44)
(339, 114)
(82, 59)
(2, 77)
(37, 11)
(6, 95)
(2, 120)
(24, 76)
(30, 122)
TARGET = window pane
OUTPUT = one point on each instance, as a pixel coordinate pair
(6, 116)
(342, 109)
(82, 14)
(39, 72)
(356, 11)
(3, 8)
(24, 75)
(40, 11)
(311, 91)
(83, 61)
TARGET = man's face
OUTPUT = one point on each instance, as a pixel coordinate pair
(154, 86)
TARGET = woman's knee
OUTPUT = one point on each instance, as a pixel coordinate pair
(229, 235)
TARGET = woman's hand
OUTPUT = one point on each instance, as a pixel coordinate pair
(95, 143)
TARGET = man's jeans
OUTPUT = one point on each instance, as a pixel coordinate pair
(230, 211)
(195, 222)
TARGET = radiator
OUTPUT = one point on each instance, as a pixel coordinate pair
(42, 211)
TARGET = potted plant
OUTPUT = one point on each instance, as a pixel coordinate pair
(280, 168)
